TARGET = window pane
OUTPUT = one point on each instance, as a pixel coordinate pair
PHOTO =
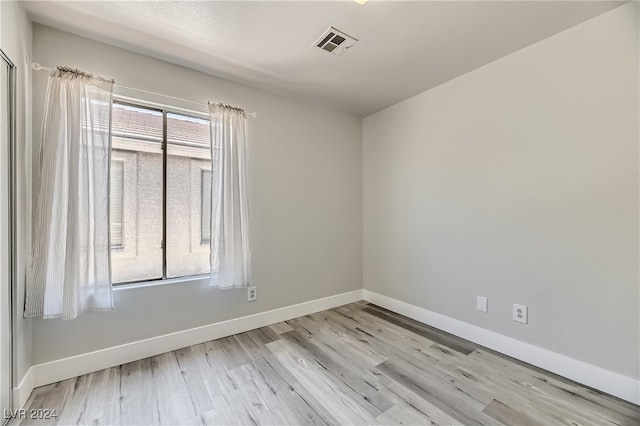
(136, 144)
(205, 209)
(116, 202)
(188, 164)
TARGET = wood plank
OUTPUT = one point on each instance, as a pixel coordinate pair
(219, 362)
(102, 404)
(404, 397)
(346, 345)
(56, 398)
(354, 383)
(402, 415)
(296, 397)
(228, 411)
(75, 401)
(137, 395)
(197, 377)
(205, 374)
(173, 401)
(260, 396)
(438, 336)
(381, 331)
(507, 415)
(281, 327)
(250, 347)
(266, 334)
(228, 351)
(450, 399)
(323, 388)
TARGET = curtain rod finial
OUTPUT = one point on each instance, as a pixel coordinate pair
(36, 66)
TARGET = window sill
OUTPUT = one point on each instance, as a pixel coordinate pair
(155, 283)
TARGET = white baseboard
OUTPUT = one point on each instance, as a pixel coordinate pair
(607, 381)
(62, 369)
(22, 392)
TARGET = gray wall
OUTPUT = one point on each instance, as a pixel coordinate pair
(306, 190)
(519, 182)
(15, 41)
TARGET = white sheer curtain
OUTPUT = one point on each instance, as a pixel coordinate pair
(70, 269)
(230, 244)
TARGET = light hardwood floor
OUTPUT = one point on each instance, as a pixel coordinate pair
(357, 364)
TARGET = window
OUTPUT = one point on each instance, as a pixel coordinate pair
(158, 195)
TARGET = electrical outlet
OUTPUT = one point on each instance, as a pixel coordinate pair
(252, 294)
(481, 303)
(520, 313)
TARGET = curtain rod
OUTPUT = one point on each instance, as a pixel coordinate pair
(37, 67)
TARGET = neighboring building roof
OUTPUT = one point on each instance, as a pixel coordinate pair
(144, 124)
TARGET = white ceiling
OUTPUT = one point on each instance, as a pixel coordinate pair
(405, 47)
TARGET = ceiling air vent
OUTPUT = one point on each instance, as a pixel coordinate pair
(334, 41)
